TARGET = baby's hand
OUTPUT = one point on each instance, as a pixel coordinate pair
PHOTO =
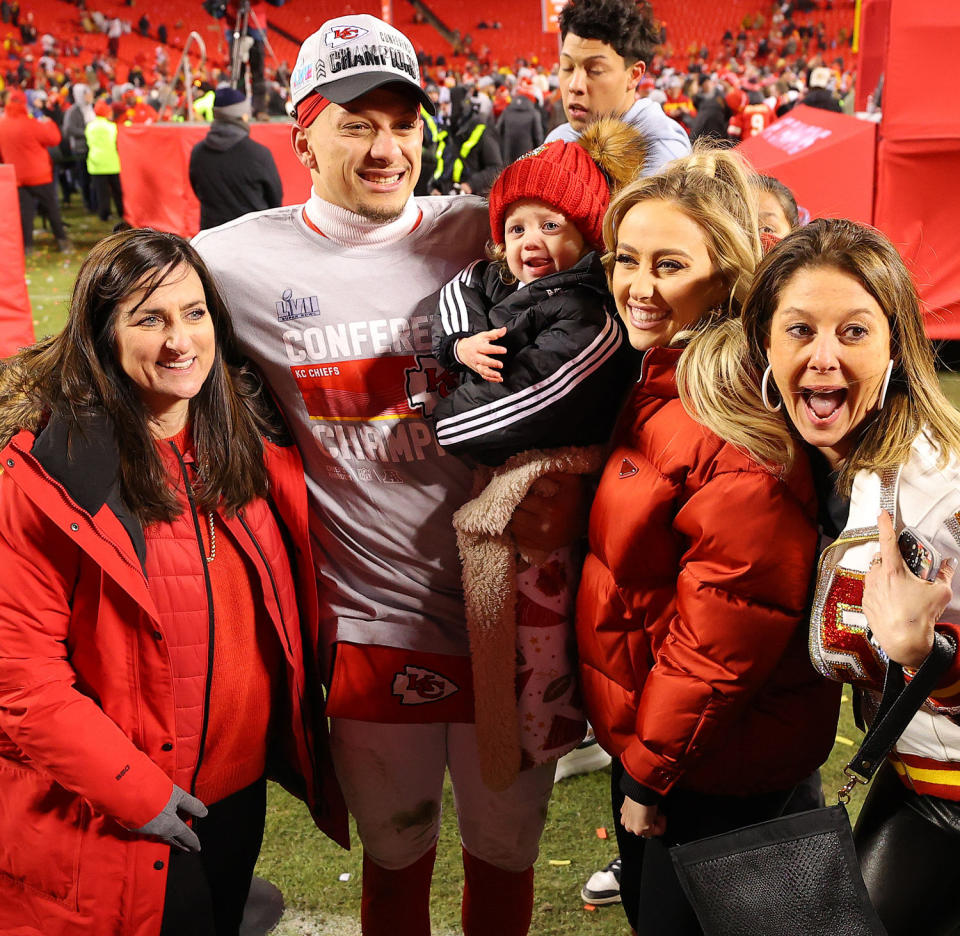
(475, 352)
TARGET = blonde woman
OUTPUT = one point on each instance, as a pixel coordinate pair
(690, 617)
(832, 360)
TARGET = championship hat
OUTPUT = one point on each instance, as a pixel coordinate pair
(351, 55)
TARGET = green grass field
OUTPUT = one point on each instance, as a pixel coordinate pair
(306, 866)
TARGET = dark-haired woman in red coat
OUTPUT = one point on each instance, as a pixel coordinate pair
(157, 612)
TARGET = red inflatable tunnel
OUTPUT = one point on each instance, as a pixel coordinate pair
(826, 159)
(918, 159)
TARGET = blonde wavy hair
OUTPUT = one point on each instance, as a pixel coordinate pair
(721, 386)
(713, 188)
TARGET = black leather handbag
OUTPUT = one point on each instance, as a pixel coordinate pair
(799, 874)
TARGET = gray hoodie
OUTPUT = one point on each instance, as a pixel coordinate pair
(75, 120)
(666, 139)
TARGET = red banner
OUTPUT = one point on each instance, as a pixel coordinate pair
(372, 388)
(919, 99)
(915, 180)
(872, 51)
(154, 172)
(550, 12)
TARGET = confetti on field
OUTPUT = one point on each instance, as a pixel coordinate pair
(844, 698)
(558, 862)
(344, 877)
(589, 907)
(842, 740)
(601, 833)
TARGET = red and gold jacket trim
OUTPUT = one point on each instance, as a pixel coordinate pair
(928, 776)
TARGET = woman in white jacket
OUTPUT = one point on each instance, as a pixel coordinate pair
(831, 352)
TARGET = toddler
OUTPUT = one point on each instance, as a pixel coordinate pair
(544, 366)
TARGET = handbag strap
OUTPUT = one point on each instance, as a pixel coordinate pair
(900, 701)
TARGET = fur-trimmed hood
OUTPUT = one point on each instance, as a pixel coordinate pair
(19, 412)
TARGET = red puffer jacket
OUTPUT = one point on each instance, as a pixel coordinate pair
(691, 612)
(87, 740)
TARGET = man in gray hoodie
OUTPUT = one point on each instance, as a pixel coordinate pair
(606, 47)
(232, 175)
(75, 121)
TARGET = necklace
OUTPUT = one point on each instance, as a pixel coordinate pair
(213, 538)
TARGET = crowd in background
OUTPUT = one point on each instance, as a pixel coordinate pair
(765, 66)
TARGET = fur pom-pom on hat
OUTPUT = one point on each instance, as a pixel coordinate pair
(574, 178)
(617, 148)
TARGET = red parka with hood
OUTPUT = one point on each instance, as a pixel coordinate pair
(88, 745)
(691, 615)
(24, 142)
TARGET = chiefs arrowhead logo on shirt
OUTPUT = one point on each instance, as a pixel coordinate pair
(416, 685)
(427, 383)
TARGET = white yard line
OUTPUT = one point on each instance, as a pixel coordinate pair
(301, 923)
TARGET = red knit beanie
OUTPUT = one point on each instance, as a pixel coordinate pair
(561, 175)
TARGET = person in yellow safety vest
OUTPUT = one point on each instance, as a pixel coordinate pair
(203, 106)
(433, 141)
(103, 161)
(469, 159)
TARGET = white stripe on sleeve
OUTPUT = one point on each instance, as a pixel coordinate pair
(453, 310)
(499, 414)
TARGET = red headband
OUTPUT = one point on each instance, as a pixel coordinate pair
(309, 108)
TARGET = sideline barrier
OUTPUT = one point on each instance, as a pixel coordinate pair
(154, 171)
(16, 319)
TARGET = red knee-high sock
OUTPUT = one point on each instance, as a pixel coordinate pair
(495, 902)
(397, 903)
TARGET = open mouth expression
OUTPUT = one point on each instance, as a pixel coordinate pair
(829, 350)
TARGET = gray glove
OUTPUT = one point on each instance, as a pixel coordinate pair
(168, 825)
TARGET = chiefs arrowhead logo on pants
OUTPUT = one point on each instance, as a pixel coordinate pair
(416, 685)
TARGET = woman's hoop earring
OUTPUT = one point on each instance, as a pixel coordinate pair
(764, 392)
(886, 384)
